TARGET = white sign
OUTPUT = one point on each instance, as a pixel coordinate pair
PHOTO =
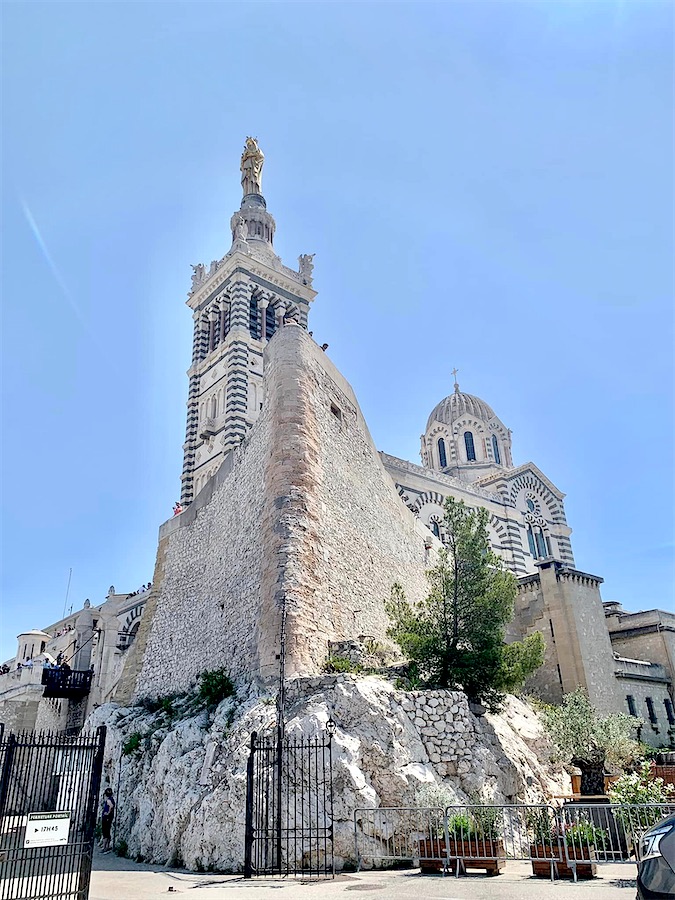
(47, 829)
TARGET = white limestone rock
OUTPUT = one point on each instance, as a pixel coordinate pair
(182, 798)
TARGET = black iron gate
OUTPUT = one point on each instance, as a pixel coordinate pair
(289, 805)
(49, 786)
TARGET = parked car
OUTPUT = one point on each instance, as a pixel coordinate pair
(656, 867)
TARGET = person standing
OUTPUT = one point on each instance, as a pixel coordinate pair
(107, 815)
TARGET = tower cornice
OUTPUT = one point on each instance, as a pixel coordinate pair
(277, 274)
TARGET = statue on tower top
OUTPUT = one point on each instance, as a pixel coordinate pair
(252, 160)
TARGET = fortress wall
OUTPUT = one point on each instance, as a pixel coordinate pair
(301, 517)
(205, 600)
(344, 536)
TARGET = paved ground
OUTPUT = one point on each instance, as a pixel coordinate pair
(120, 879)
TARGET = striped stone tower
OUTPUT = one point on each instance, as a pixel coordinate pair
(237, 304)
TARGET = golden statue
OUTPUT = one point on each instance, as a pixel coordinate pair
(252, 160)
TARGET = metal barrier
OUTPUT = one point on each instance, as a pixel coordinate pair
(596, 833)
(397, 833)
(484, 837)
(567, 841)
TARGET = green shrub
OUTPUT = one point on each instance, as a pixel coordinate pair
(461, 827)
(338, 664)
(456, 634)
(584, 834)
(132, 743)
(540, 825)
(487, 822)
(640, 788)
(214, 687)
(161, 704)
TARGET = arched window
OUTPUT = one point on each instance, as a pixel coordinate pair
(470, 449)
(254, 324)
(435, 527)
(214, 407)
(541, 544)
(214, 330)
(270, 322)
(495, 450)
(530, 541)
(441, 453)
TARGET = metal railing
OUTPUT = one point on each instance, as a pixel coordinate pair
(566, 841)
(61, 682)
(513, 831)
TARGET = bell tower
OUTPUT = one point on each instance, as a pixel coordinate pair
(237, 305)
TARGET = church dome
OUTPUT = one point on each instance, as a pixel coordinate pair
(458, 404)
(464, 438)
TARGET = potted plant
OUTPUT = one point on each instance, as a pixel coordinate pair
(545, 846)
(636, 797)
(431, 800)
(431, 847)
(581, 840)
(474, 840)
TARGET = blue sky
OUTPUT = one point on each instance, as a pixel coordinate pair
(485, 185)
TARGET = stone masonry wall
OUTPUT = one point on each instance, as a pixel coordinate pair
(206, 597)
(348, 537)
(301, 522)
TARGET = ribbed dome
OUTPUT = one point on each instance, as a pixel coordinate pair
(458, 404)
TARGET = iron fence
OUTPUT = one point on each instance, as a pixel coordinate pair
(49, 787)
(289, 806)
(559, 841)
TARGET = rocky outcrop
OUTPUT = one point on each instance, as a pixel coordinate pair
(182, 781)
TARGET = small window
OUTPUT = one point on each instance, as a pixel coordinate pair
(632, 708)
(548, 545)
(669, 711)
(470, 448)
(530, 504)
(435, 527)
(495, 450)
(541, 544)
(441, 453)
(651, 711)
(214, 407)
(337, 412)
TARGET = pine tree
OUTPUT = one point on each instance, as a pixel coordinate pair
(455, 636)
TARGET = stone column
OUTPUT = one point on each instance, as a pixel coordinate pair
(213, 329)
(187, 481)
(224, 304)
(280, 312)
(237, 364)
(263, 304)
